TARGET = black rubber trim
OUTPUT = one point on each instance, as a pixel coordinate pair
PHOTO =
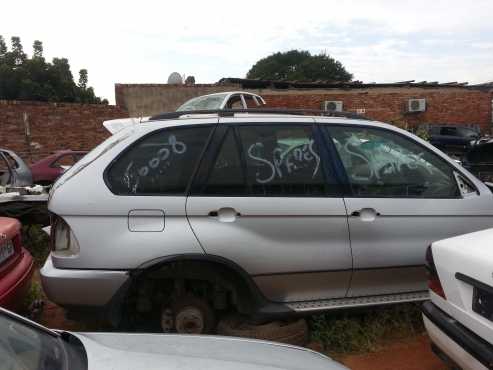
(477, 347)
(475, 283)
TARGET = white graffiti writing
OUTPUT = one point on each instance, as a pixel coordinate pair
(284, 161)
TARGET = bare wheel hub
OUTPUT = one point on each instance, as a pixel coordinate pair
(189, 320)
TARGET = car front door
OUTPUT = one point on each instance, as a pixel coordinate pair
(266, 201)
(401, 196)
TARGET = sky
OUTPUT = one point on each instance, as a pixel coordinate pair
(144, 41)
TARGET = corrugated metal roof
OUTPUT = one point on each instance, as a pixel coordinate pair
(272, 84)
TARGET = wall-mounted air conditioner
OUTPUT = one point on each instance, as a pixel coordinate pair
(416, 105)
(332, 105)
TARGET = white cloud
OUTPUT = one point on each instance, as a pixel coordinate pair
(380, 40)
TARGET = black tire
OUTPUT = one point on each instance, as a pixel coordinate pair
(193, 315)
(289, 332)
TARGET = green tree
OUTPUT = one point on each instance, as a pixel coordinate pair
(299, 65)
(24, 78)
(37, 49)
(83, 79)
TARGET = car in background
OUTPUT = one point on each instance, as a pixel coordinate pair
(16, 265)
(226, 100)
(14, 172)
(479, 160)
(47, 170)
(459, 317)
(454, 140)
(25, 344)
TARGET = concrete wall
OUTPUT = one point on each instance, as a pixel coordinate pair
(53, 126)
(148, 99)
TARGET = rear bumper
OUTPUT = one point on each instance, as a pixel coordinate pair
(458, 343)
(80, 288)
(15, 284)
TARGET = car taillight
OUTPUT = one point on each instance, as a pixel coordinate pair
(63, 241)
(434, 283)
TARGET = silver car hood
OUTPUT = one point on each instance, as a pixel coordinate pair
(168, 351)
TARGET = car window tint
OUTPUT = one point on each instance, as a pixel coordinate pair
(282, 161)
(161, 163)
(380, 163)
(448, 131)
(226, 176)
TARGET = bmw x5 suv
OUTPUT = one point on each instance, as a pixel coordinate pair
(177, 219)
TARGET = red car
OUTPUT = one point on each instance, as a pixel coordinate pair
(16, 265)
(47, 170)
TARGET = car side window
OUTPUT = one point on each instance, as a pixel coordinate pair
(161, 163)
(226, 176)
(282, 160)
(381, 163)
(448, 131)
(65, 161)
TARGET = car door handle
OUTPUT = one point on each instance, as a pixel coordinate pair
(366, 214)
(225, 214)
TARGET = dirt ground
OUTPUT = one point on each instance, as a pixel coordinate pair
(409, 354)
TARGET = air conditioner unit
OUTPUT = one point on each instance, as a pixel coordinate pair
(416, 105)
(332, 105)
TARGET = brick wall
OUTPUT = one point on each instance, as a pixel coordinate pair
(445, 104)
(451, 106)
(53, 126)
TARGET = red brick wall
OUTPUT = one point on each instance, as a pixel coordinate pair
(53, 126)
(452, 106)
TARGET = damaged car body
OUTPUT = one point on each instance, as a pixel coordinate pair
(194, 215)
(19, 197)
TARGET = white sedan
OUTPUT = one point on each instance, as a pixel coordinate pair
(459, 318)
(25, 345)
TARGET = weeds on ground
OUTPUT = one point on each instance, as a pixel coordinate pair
(366, 331)
(37, 242)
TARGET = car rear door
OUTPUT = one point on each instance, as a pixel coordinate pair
(265, 200)
(401, 196)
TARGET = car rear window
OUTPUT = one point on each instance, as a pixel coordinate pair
(161, 163)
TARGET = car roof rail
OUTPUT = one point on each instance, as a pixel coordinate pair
(232, 112)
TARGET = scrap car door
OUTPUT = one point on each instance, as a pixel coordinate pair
(402, 196)
(266, 202)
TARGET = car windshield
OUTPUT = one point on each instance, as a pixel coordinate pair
(203, 103)
(24, 348)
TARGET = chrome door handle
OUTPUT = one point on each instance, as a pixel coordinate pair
(225, 214)
(366, 214)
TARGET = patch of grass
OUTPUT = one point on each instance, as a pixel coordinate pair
(34, 293)
(366, 331)
(37, 242)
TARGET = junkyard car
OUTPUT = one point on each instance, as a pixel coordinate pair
(19, 197)
(14, 172)
(16, 265)
(25, 345)
(267, 214)
(226, 100)
(47, 170)
(453, 139)
(479, 160)
(459, 318)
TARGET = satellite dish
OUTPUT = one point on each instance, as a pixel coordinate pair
(175, 79)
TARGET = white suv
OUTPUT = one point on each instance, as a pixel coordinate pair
(187, 214)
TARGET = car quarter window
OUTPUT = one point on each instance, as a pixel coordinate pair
(161, 163)
(283, 160)
(381, 163)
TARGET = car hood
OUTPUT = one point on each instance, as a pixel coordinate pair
(168, 351)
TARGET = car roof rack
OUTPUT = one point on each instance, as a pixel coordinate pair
(231, 113)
